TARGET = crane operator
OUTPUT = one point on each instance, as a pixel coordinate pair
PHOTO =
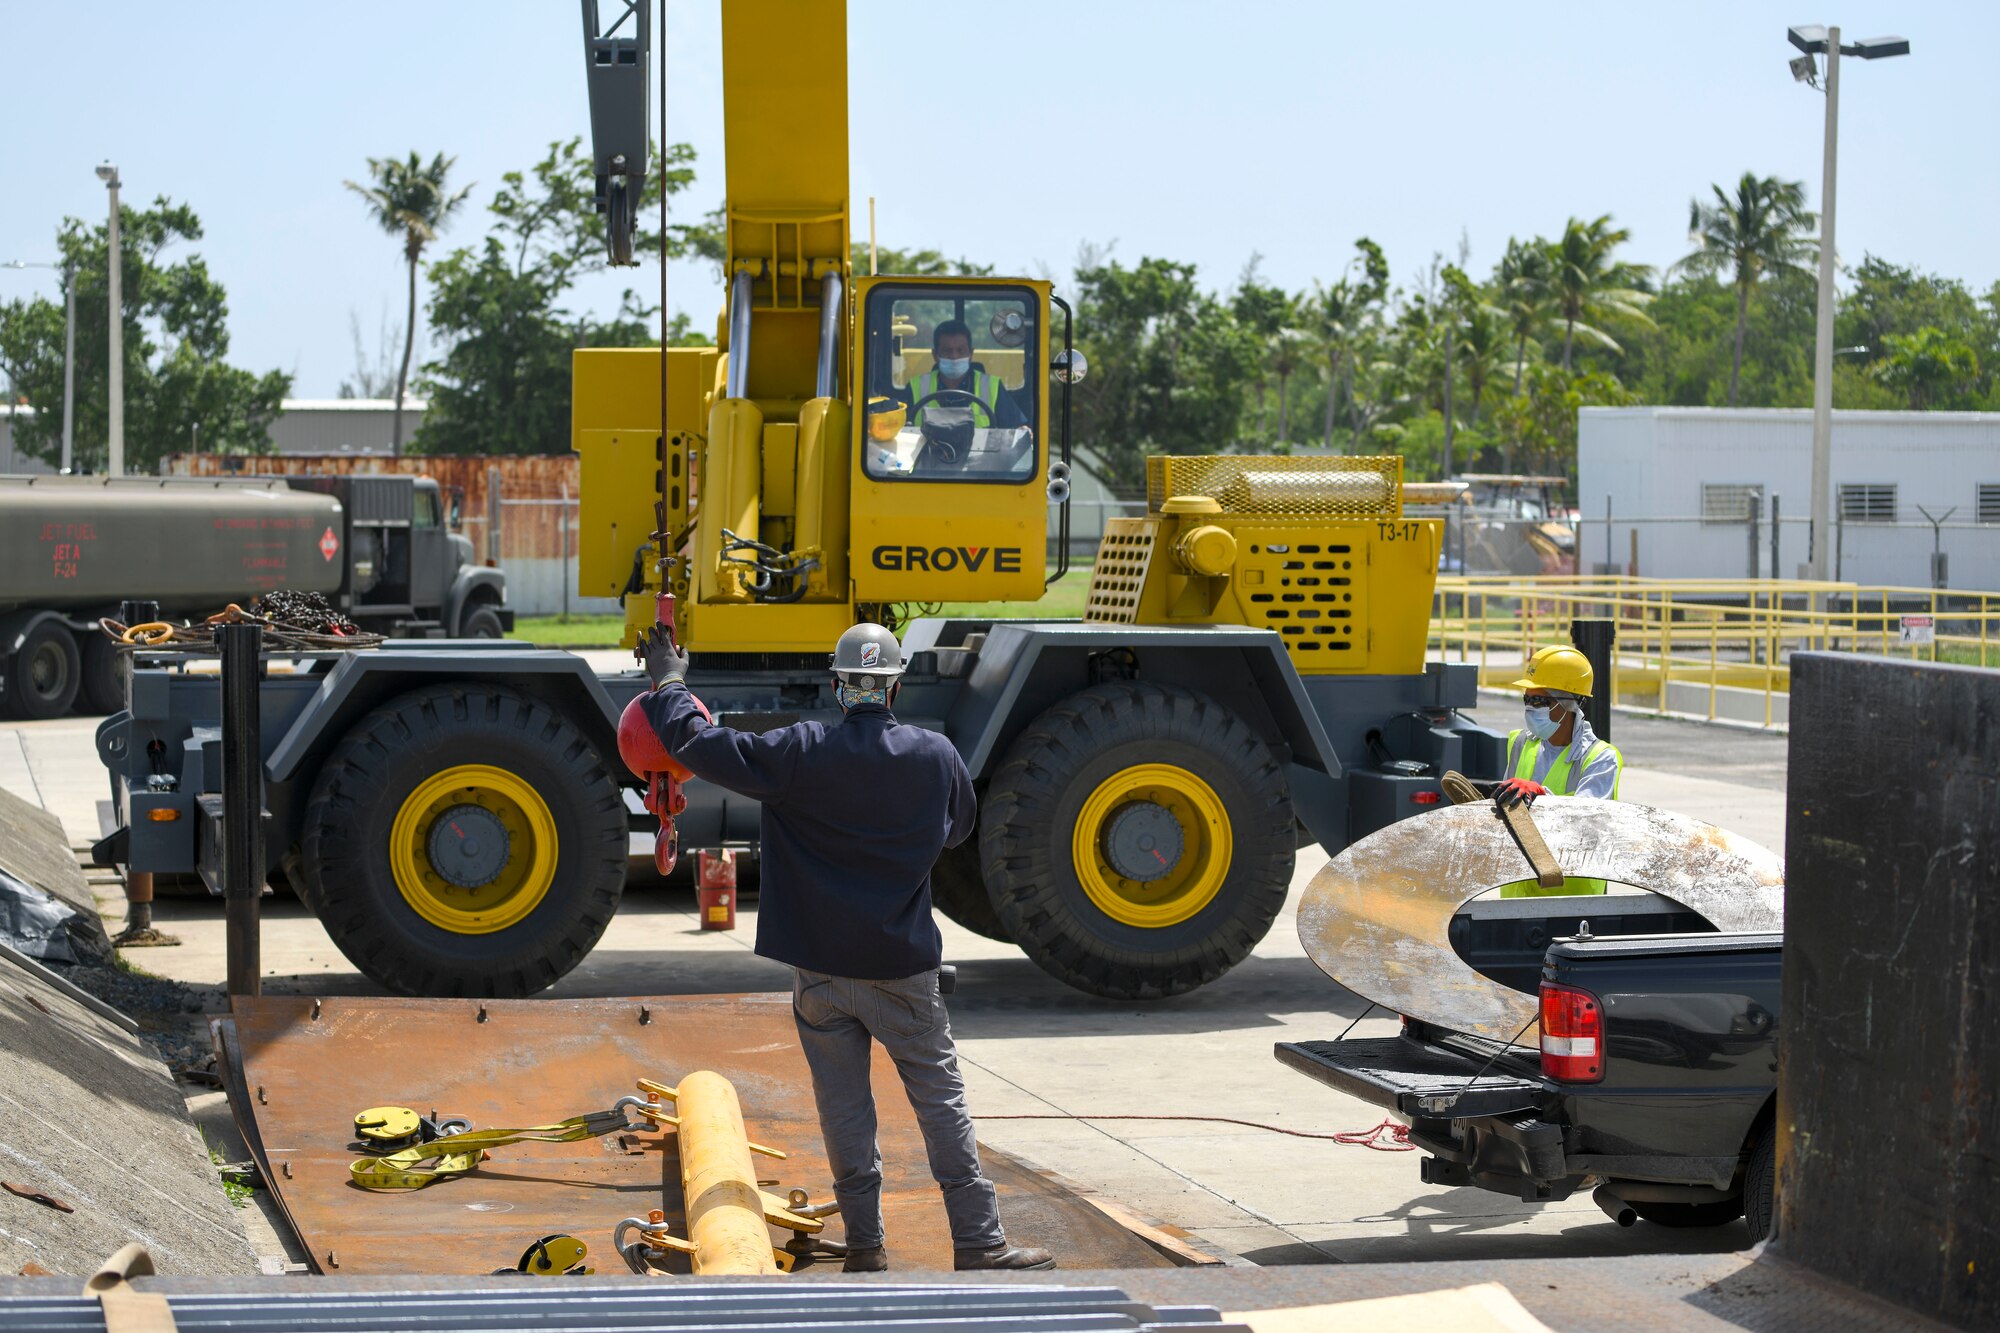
(965, 385)
(855, 814)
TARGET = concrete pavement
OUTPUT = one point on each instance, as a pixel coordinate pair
(1033, 1048)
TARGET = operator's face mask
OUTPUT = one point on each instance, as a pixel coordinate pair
(955, 367)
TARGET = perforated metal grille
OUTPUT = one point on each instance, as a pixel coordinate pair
(1333, 487)
(1120, 572)
(1311, 589)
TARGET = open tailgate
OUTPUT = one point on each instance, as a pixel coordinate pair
(1415, 1078)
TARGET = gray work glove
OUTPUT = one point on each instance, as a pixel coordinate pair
(666, 662)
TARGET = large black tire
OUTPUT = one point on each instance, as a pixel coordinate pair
(1719, 1213)
(1052, 778)
(480, 621)
(1760, 1185)
(958, 889)
(45, 674)
(525, 752)
(103, 689)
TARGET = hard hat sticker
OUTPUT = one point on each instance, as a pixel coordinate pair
(871, 654)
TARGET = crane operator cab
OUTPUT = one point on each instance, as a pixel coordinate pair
(949, 393)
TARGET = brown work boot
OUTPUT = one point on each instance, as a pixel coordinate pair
(1001, 1256)
(866, 1259)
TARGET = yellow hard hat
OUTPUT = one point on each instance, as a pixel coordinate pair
(1557, 668)
(885, 417)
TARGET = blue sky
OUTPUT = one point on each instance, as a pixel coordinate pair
(1198, 132)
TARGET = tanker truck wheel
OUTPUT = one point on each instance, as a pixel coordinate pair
(958, 889)
(464, 840)
(1138, 840)
(43, 678)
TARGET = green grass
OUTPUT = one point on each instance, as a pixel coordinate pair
(233, 1189)
(1064, 601)
(570, 631)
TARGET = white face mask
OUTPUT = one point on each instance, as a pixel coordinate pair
(1543, 722)
(954, 367)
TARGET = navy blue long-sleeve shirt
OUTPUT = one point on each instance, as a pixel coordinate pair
(854, 817)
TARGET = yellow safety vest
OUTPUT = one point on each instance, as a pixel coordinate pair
(1561, 781)
(985, 387)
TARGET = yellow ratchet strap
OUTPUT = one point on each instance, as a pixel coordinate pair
(456, 1154)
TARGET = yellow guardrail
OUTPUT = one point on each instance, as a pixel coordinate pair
(1719, 648)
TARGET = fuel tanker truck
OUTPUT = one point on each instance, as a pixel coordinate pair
(382, 550)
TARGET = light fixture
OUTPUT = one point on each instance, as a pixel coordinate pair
(1805, 69)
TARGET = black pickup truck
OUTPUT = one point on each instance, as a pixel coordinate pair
(1656, 1080)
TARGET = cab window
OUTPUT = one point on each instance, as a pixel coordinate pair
(949, 393)
(426, 512)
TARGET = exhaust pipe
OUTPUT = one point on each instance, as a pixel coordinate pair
(1614, 1207)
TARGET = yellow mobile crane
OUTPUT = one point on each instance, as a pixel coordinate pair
(1146, 774)
(1249, 677)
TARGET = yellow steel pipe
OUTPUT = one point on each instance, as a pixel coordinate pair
(725, 1209)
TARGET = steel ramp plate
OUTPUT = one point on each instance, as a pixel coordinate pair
(298, 1069)
(1375, 918)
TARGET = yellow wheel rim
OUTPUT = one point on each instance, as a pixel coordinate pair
(500, 899)
(1196, 876)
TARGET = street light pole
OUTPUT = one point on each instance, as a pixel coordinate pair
(1814, 40)
(116, 463)
(1822, 437)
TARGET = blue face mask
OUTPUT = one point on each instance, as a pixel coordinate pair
(1543, 723)
(954, 367)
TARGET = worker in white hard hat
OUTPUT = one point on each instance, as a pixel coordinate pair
(1556, 751)
(855, 814)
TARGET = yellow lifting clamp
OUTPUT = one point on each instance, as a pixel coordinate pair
(558, 1255)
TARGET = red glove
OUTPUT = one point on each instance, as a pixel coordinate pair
(1517, 791)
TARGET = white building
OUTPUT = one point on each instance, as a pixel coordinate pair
(303, 426)
(1685, 480)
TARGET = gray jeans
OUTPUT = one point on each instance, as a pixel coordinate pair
(837, 1017)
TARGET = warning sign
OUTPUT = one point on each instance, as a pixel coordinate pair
(329, 545)
(1919, 630)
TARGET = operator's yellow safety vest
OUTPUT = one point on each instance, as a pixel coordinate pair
(985, 387)
(1526, 747)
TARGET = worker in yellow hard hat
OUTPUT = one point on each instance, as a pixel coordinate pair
(1556, 751)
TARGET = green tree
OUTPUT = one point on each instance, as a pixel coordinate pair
(1340, 314)
(1763, 228)
(502, 385)
(180, 392)
(1524, 291)
(1589, 284)
(1930, 368)
(411, 201)
(1543, 417)
(1169, 366)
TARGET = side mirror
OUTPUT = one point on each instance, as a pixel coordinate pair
(457, 518)
(1069, 367)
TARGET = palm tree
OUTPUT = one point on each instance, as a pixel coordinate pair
(1288, 357)
(1523, 294)
(1588, 282)
(408, 200)
(1763, 228)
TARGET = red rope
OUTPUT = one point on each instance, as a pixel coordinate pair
(1389, 1136)
(1398, 1134)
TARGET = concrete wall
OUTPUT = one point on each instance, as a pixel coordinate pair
(1652, 462)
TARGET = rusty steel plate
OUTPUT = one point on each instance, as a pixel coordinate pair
(1374, 918)
(298, 1069)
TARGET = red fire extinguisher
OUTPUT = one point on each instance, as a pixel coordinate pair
(715, 888)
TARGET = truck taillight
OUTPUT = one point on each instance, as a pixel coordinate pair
(1572, 1034)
